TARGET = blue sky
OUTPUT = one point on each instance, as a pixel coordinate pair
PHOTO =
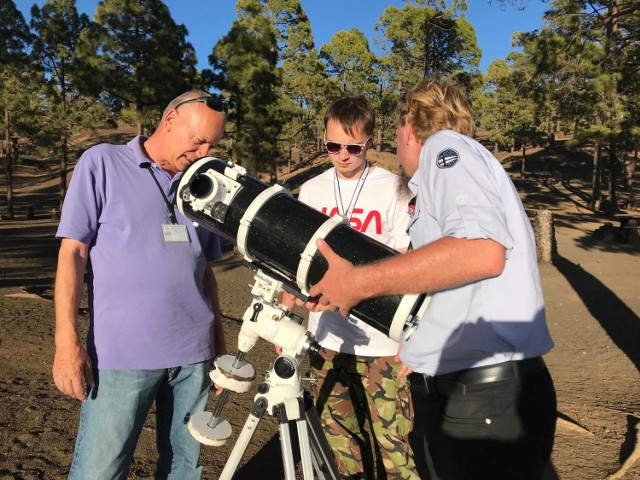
(208, 20)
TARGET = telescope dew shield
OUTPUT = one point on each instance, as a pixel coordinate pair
(273, 229)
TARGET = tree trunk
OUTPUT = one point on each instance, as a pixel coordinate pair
(140, 123)
(612, 99)
(63, 168)
(8, 167)
(630, 164)
(595, 177)
(554, 127)
(426, 63)
(613, 176)
(544, 232)
(524, 158)
(302, 137)
(234, 153)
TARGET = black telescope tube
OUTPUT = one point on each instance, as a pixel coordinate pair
(280, 232)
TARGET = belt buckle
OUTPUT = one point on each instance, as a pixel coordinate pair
(447, 387)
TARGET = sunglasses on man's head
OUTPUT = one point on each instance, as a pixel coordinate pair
(212, 102)
(352, 148)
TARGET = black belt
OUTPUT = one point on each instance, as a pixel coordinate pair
(455, 382)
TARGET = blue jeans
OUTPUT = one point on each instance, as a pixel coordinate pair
(116, 409)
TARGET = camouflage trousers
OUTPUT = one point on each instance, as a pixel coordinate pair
(362, 397)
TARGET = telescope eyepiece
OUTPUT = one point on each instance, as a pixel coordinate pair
(201, 186)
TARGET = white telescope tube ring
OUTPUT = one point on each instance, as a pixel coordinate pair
(310, 250)
(251, 212)
(397, 330)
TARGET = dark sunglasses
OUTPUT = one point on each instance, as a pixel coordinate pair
(352, 148)
(212, 102)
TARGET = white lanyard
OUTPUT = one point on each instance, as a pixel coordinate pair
(356, 193)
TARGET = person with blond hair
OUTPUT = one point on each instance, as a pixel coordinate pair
(489, 401)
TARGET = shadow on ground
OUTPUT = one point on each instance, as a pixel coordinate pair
(624, 327)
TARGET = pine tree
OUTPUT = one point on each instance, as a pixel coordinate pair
(143, 56)
(245, 69)
(62, 109)
(15, 39)
(431, 40)
(306, 88)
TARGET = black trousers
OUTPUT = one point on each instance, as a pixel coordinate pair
(495, 430)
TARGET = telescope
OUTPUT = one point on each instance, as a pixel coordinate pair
(277, 234)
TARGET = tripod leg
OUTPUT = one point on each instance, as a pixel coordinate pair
(288, 462)
(323, 461)
(257, 411)
(305, 449)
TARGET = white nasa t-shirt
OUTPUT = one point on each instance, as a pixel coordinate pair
(382, 214)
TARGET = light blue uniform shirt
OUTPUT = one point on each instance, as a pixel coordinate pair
(148, 305)
(463, 192)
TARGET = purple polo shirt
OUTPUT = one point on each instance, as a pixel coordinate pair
(148, 305)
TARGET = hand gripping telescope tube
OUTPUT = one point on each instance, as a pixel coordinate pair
(277, 233)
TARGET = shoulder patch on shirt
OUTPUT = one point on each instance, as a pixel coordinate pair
(447, 158)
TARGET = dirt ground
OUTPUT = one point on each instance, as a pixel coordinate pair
(593, 302)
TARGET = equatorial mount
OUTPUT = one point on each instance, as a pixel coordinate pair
(281, 394)
(265, 318)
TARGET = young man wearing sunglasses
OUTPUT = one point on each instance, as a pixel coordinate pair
(357, 368)
(153, 299)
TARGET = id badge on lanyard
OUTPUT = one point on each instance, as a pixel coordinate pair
(174, 231)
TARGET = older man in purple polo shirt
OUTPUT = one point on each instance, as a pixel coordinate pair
(154, 310)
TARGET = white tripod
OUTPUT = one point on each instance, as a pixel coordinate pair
(280, 395)
(277, 396)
